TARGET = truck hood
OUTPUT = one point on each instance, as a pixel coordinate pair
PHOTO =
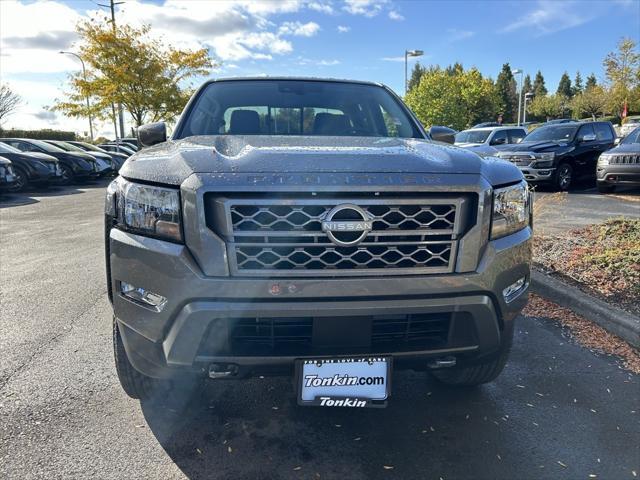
(537, 147)
(173, 161)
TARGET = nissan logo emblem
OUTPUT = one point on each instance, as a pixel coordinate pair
(347, 225)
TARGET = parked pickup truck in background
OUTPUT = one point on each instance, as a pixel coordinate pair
(558, 154)
(312, 228)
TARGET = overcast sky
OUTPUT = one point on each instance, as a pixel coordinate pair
(361, 39)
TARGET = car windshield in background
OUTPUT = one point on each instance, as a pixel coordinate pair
(555, 133)
(633, 137)
(4, 148)
(472, 136)
(46, 146)
(295, 107)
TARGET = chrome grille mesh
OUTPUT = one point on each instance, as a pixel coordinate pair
(624, 159)
(309, 217)
(284, 237)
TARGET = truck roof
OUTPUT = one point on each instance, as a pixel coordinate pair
(304, 79)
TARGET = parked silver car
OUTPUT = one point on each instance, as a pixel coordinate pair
(483, 140)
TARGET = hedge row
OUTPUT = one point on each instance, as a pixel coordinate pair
(44, 134)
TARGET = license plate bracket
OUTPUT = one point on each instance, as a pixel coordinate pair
(344, 381)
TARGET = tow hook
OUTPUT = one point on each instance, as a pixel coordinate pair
(443, 362)
(217, 370)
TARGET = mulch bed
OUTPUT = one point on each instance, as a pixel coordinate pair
(603, 260)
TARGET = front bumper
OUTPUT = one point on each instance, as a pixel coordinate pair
(165, 342)
(619, 174)
(537, 174)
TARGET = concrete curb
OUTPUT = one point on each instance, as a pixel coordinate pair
(611, 318)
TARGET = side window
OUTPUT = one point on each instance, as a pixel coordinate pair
(499, 138)
(585, 130)
(516, 135)
(603, 132)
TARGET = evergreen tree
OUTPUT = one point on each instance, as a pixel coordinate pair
(539, 89)
(526, 85)
(416, 74)
(564, 87)
(455, 69)
(591, 82)
(577, 84)
(506, 88)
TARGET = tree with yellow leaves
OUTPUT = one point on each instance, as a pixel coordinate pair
(128, 66)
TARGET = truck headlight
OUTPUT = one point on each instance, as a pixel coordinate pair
(604, 159)
(544, 160)
(145, 209)
(511, 210)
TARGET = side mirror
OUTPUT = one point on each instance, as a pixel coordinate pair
(589, 137)
(152, 134)
(499, 141)
(442, 134)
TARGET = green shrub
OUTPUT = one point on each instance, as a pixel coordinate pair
(44, 134)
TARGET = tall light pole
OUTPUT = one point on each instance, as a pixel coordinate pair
(527, 96)
(112, 7)
(407, 54)
(521, 72)
(84, 75)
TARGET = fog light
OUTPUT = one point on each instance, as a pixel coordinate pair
(514, 289)
(140, 295)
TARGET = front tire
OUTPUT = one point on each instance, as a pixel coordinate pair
(21, 180)
(134, 383)
(67, 174)
(563, 177)
(472, 375)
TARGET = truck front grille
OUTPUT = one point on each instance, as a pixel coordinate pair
(624, 159)
(297, 237)
(519, 159)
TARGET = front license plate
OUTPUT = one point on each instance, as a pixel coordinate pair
(344, 382)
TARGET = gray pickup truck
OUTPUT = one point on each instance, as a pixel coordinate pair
(312, 228)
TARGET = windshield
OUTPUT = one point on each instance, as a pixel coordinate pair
(88, 147)
(4, 148)
(46, 146)
(472, 136)
(633, 137)
(552, 133)
(68, 147)
(294, 107)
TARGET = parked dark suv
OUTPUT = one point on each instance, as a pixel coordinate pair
(312, 228)
(558, 154)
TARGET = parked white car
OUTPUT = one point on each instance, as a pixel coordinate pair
(482, 140)
(630, 125)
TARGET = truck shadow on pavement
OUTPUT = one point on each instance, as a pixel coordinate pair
(255, 429)
(557, 411)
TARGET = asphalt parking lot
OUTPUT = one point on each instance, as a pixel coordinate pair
(558, 411)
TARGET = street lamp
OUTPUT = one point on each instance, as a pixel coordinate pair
(527, 96)
(84, 75)
(521, 72)
(407, 54)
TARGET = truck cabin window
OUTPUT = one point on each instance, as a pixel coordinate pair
(293, 107)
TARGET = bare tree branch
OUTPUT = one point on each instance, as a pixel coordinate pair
(9, 102)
